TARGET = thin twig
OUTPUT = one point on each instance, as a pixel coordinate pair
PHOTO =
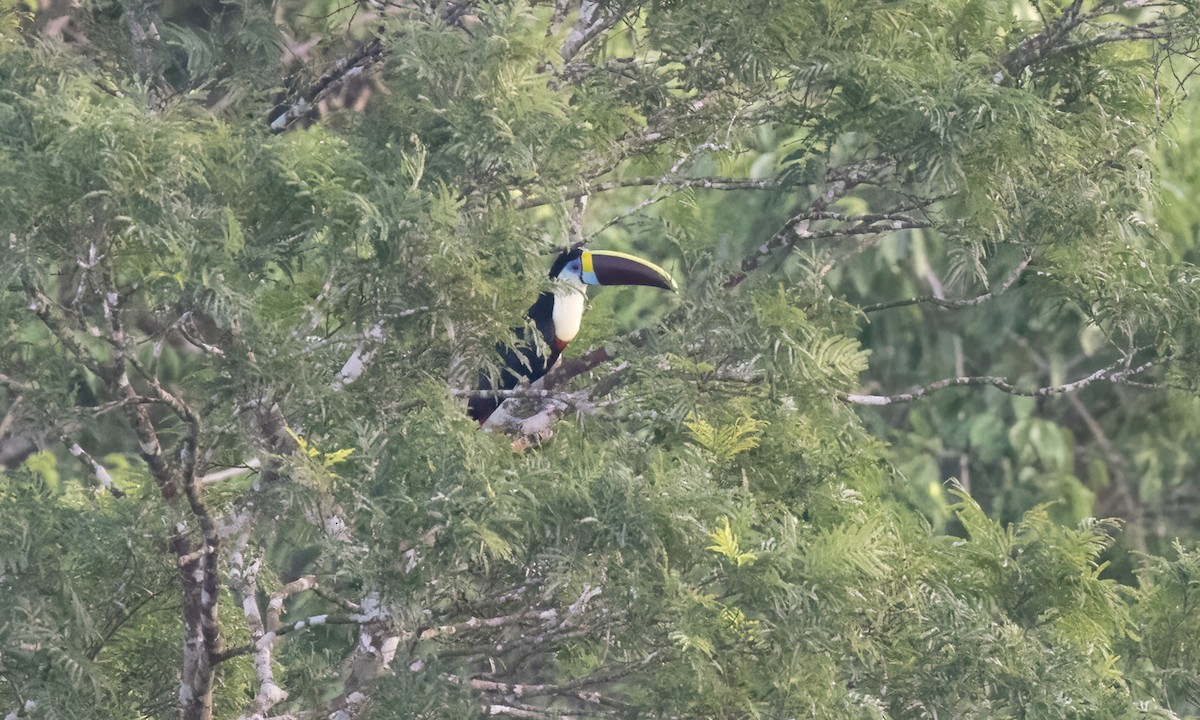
(953, 304)
(690, 183)
(1108, 373)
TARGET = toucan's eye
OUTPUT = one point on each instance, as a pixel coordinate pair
(573, 266)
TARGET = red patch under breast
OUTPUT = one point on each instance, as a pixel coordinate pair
(560, 345)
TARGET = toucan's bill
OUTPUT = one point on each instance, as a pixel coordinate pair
(604, 267)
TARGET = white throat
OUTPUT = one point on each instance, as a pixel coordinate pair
(569, 299)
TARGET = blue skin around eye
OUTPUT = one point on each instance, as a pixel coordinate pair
(575, 267)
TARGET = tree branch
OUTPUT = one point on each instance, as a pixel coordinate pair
(839, 181)
(1052, 40)
(299, 105)
(90, 464)
(1109, 373)
(244, 584)
(686, 183)
(1034, 50)
(951, 304)
(591, 23)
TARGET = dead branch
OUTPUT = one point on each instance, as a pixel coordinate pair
(840, 181)
(1108, 373)
(952, 304)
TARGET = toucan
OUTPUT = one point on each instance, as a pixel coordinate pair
(557, 314)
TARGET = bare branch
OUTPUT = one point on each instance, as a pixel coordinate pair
(275, 606)
(10, 415)
(299, 105)
(474, 623)
(591, 23)
(263, 645)
(214, 477)
(572, 690)
(1109, 373)
(687, 183)
(341, 602)
(15, 386)
(359, 359)
(244, 584)
(186, 327)
(520, 710)
(1039, 47)
(840, 181)
(1053, 39)
(521, 391)
(952, 304)
(47, 312)
(91, 465)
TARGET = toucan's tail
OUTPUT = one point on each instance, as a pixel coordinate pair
(481, 408)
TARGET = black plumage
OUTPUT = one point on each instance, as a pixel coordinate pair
(527, 360)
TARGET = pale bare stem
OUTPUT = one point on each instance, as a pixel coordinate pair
(10, 415)
(491, 686)
(576, 219)
(47, 312)
(243, 582)
(839, 182)
(86, 265)
(665, 180)
(272, 637)
(535, 418)
(194, 555)
(341, 602)
(1109, 373)
(186, 327)
(275, 606)
(301, 103)
(520, 710)
(955, 304)
(372, 656)
(218, 476)
(360, 359)
(91, 465)
(685, 183)
(592, 21)
(578, 607)
(524, 391)
(1055, 38)
(1154, 30)
(12, 385)
(25, 710)
(573, 690)
(474, 623)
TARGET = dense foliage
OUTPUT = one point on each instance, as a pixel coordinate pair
(934, 318)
